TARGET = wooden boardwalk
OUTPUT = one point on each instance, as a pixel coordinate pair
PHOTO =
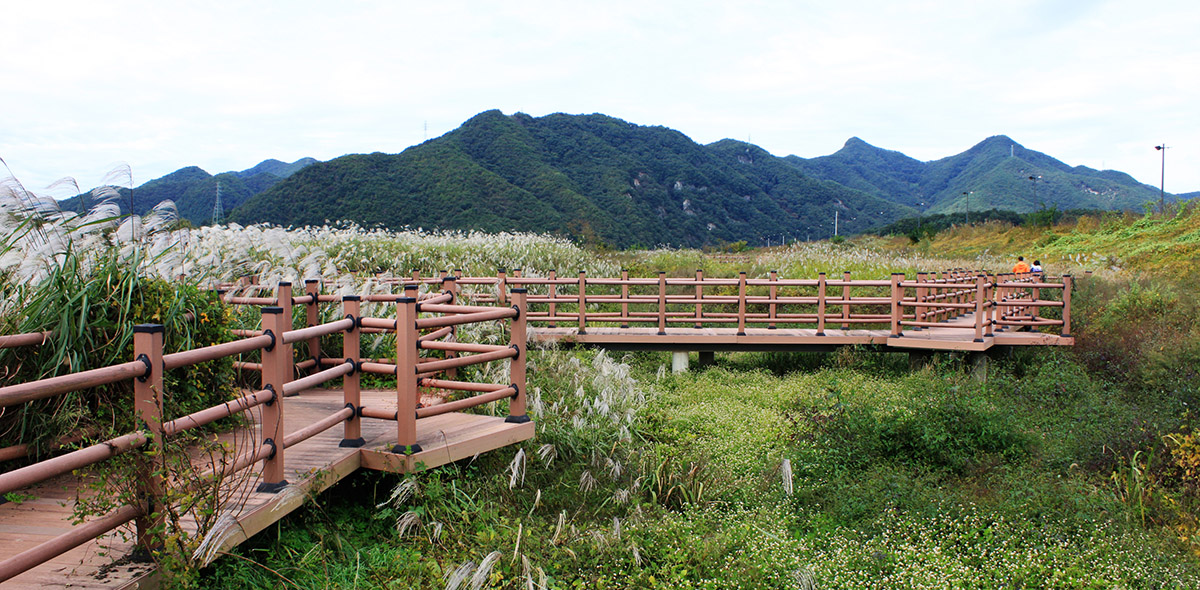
(312, 466)
(956, 334)
(954, 310)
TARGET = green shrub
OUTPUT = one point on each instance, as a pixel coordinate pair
(936, 427)
(91, 311)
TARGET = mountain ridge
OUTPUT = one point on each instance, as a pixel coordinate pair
(993, 173)
(194, 190)
(593, 177)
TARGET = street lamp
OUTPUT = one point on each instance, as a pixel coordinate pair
(1162, 187)
(967, 196)
(920, 217)
(1033, 180)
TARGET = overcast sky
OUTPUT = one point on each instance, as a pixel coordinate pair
(223, 85)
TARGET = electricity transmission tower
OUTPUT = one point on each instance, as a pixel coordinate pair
(216, 220)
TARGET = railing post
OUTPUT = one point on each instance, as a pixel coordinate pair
(501, 286)
(583, 302)
(275, 366)
(406, 376)
(821, 304)
(990, 329)
(741, 303)
(662, 302)
(1068, 283)
(312, 287)
(919, 312)
(553, 292)
(450, 285)
(517, 414)
(625, 298)
(897, 296)
(773, 293)
(845, 300)
(699, 298)
(284, 299)
(352, 383)
(148, 409)
(997, 299)
(1036, 293)
(980, 308)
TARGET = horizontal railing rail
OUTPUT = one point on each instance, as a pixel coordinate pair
(30, 339)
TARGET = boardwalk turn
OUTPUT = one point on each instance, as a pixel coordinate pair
(313, 466)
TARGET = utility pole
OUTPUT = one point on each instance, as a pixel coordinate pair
(1162, 186)
(967, 195)
(835, 222)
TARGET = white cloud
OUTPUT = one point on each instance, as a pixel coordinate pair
(224, 85)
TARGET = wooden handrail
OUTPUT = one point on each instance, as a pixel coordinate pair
(30, 339)
(52, 386)
(77, 536)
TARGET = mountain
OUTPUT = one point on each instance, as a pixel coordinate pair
(277, 168)
(593, 177)
(994, 174)
(194, 191)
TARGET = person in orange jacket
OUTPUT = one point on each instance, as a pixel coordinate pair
(1021, 266)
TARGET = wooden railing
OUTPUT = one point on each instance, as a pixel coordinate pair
(436, 316)
(1004, 301)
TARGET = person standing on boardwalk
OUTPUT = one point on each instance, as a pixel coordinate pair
(1021, 266)
(1037, 267)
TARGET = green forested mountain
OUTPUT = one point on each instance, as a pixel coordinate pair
(593, 177)
(194, 191)
(607, 181)
(276, 168)
(994, 172)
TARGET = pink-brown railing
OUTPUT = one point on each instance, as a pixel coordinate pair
(932, 299)
(437, 315)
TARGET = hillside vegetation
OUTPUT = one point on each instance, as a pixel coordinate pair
(604, 181)
(1120, 244)
(194, 191)
(596, 178)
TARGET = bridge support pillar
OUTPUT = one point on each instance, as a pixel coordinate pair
(919, 359)
(679, 361)
(980, 361)
(706, 358)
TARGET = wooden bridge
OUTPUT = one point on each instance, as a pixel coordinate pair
(274, 466)
(955, 310)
